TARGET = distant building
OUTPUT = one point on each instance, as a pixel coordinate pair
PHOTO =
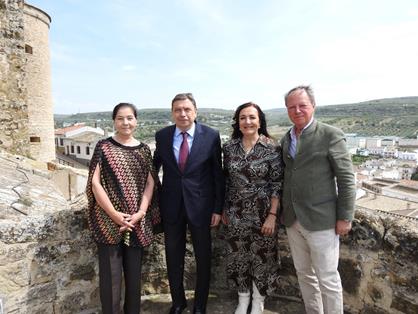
(355, 142)
(60, 135)
(373, 142)
(407, 142)
(78, 141)
(407, 155)
(401, 189)
(362, 152)
(389, 141)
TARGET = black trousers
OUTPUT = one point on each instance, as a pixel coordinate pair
(175, 250)
(112, 259)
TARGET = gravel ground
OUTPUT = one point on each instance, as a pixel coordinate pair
(220, 303)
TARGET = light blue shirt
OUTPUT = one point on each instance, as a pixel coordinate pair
(178, 139)
(294, 139)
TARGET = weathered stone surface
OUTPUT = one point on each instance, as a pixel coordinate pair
(48, 263)
(404, 303)
(373, 310)
(374, 292)
(368, 233)
(13, 92)
(47, 256)
(351, 274)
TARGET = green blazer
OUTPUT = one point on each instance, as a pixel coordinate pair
(321, 165)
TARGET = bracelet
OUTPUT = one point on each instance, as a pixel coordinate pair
(274, 214)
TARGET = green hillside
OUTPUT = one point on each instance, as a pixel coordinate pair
(391, 116)
(382, 117)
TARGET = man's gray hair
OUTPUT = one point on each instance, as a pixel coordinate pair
(307, 88)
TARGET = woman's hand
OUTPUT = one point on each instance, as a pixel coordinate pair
(269, 225)
(138, 216)
(123, 220)
(224, 218)
(132, 220)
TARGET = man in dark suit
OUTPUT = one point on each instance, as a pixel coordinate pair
(192, 196)
(317, 200)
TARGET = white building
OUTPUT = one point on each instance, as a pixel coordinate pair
(373, 142)
(407, 155)
(81, 146)
(61, 134)
(78, 141)
(408, 142)
(388, 141)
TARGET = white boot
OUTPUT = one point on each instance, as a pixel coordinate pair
(258, 301)
(243, 302)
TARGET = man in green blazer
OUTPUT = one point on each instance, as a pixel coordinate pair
(318, 201)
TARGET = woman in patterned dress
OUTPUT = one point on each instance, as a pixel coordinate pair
(122, 210)
(254, 174)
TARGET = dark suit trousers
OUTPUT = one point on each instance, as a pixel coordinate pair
(175, 249)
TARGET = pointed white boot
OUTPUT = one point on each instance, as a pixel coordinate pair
(258, 301)
(243, 302)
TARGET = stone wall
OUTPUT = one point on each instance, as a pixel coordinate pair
(13, 108)
(378, 265)
(48, 263)
(26, 116)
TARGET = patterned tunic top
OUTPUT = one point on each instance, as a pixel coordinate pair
(252, 178)
(123, 174)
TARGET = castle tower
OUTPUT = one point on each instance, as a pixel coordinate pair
(26, 114)
(38, 84)
(13, 108)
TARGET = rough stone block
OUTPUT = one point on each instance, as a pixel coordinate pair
(42, 293)
(404, 302)
(351, 273)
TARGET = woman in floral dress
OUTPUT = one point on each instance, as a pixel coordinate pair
(254, 174)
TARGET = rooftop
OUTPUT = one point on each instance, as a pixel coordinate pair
(62, 131)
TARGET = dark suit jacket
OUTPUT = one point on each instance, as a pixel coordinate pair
(201, 186)
(321, 165)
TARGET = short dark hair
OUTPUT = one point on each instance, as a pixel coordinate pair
(236, 133)
(122, 105)
(184, 96)
(308, 90)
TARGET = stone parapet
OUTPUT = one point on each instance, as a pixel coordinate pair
(48, 261)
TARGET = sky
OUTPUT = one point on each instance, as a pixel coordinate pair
(228, 52)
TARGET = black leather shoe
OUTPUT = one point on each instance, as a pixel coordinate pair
(177, 309)
(198, 311)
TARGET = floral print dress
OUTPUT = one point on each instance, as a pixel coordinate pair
(252, 179)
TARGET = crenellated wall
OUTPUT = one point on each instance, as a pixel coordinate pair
(48, 263)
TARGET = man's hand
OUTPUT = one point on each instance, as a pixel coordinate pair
(269, 225)
(342, 227)
(216, 218)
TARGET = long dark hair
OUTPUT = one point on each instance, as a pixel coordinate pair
(236, 133)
